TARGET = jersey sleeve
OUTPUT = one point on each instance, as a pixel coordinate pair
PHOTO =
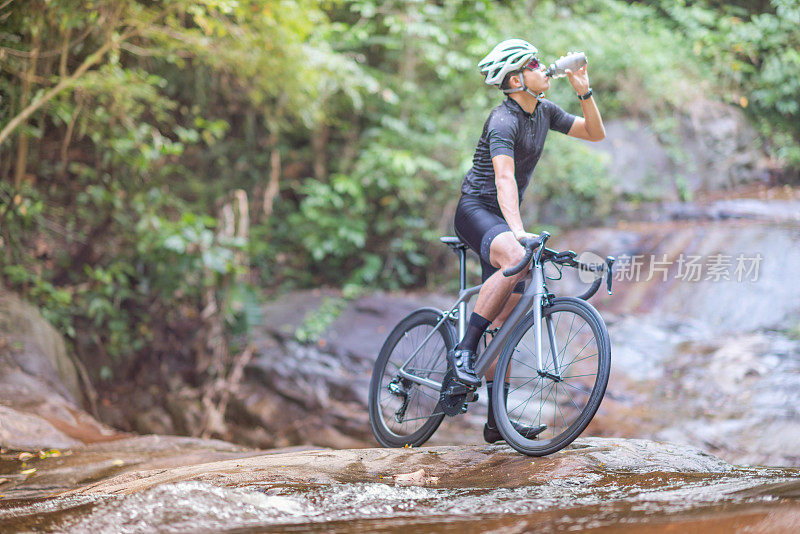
(501, 133)
(560, 120)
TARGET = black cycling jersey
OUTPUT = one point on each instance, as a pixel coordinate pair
(512, 131)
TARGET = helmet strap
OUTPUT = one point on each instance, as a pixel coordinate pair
(522, 87)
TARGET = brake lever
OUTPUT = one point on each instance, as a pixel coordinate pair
(565, 256)
(609, 261)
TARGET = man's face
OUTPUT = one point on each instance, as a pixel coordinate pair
(533, 74)
(535, 79)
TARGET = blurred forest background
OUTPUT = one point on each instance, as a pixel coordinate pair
(166, 166)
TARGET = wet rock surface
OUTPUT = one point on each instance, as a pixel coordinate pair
(191, 485)
(713, 148)
(712, 364)
(40, 387)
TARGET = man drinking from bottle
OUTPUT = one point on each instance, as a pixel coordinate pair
(488, 217)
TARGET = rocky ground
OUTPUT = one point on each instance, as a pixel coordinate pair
(182, 485)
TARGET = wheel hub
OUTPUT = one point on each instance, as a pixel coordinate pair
(551, 376)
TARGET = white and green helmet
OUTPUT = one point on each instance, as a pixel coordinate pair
(509, 56)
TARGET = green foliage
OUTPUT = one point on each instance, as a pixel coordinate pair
(756, 56)
(317, 321)
(364, 114)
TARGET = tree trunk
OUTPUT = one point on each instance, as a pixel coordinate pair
(22, 146)
(319, 144)
(62, 64)
(68, 136)
(408, 64)
(274, 176)
(350, 149)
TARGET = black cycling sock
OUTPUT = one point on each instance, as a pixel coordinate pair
(475, 329)
(490, 419)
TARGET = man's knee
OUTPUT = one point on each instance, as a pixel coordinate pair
(515, 255)
(512, 258)
(506, 251)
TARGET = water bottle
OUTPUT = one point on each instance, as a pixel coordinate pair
(572, 62)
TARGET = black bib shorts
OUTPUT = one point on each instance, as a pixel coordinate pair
(477, 224)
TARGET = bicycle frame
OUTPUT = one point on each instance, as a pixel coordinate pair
(534, 293)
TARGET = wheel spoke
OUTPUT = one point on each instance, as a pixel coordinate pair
(578, 352)
(544, 384)
(584, 358)
(569, 339)
(570, 397)
(584, 389)
(558, 407)
(524, 364)
(578, 376)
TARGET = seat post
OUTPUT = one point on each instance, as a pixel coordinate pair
(462, 307)
(462, 258)
(456, 245)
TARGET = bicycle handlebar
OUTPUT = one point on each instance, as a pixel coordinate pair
(566, 257)
(589, 293)
(530, 244)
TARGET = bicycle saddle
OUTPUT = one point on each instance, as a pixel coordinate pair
(453, 242)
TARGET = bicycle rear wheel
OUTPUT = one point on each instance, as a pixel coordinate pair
(402, 412)
(562, 398)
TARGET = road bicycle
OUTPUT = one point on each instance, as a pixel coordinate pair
(554, 354)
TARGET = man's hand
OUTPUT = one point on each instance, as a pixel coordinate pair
(522, 234)
(579, 79)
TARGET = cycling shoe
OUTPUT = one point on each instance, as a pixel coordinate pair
(492, 434)
(461, 361)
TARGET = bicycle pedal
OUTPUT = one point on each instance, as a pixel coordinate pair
(458, 389)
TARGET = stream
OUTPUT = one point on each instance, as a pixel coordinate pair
(597, 484)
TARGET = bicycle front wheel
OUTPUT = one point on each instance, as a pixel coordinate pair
(401, 411)
(558, 400)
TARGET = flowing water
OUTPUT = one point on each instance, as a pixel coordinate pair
(591, 500)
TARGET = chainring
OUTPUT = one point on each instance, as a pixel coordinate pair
(451, 404)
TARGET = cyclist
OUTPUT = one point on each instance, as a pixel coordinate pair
(487, 217)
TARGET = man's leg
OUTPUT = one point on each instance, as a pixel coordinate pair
(511, 302)
(490, 432)
(505, 252)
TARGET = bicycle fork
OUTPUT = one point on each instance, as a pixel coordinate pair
(539, 297)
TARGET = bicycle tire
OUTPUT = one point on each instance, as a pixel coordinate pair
(397, 348)
(523, 376)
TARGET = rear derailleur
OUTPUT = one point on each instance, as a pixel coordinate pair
(399, 388)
